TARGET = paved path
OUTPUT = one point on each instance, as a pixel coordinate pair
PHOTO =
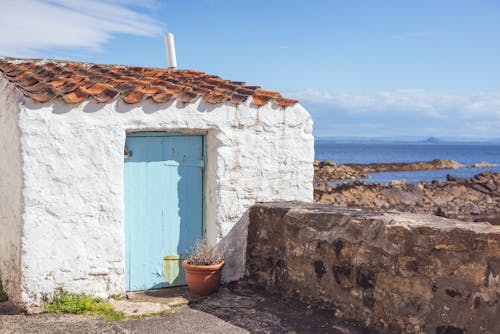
(238, 308)
(183, 320)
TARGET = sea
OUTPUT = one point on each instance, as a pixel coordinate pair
(372, 152)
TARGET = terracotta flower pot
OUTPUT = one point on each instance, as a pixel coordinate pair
(202, 280)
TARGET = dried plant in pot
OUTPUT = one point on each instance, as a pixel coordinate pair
(203, 268)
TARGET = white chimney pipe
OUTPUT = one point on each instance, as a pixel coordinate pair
(170, 46)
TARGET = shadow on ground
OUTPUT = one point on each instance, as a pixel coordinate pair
(7, 308)
(258, 311)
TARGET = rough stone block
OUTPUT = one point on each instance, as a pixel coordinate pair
(397, 273)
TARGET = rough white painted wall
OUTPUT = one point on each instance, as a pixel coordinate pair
(10, 191)
(74, 210)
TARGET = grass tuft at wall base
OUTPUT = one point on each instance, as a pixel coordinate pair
(66, 302)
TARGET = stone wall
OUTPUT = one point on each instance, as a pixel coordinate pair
(394, 272)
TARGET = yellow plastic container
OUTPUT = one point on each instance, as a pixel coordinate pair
(172, 269)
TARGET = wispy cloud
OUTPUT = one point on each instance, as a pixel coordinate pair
(404, 112)
(419, 34)
(30, 26)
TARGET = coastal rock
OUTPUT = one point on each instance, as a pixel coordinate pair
(330, 171)
(406, 166)
(483, 164)
(473, 199)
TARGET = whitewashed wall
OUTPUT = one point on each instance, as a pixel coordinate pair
(73, 173)
(10, 191)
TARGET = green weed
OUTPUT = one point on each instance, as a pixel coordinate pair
(66, 302)
(202, 306)
(116, 297)
(3, 294)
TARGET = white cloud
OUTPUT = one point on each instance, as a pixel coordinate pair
(432, 104)
(404, 111)
(30, 26)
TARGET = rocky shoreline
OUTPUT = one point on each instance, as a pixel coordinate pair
(325, 171)
(467, 199)
(330, 171)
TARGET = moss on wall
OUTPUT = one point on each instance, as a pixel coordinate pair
(3, 294)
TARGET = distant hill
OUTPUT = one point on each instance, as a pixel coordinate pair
(408, 140)
(432, 140)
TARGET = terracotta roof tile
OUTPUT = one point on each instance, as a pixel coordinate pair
(201, 90)
(261, 100)
(7, 67)
(15, 72)
(163, 97)
(125, 87)
(154, 89)
(106, 95)
(78, 77)
(237, 98)
(44, 74)
(215, 98)
(27, 80)
(87, 83)
(68, 86)
(269, 93)
(245, 91)
(43, 95)
(188, 96)
(58, 82)
(285, 102)
(135, 96)
(78, 95)
(36, 87)
(74, 82)
(98, 88)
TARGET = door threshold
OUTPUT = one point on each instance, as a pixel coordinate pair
(173, 296)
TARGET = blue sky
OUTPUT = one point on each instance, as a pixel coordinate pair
(362, 68)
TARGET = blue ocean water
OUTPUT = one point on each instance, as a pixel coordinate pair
(465, 153)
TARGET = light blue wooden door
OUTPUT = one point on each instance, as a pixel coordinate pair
(163, 205)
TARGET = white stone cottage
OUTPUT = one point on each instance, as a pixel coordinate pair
(104, 170)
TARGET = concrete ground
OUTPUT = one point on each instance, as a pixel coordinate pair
(236, 308)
